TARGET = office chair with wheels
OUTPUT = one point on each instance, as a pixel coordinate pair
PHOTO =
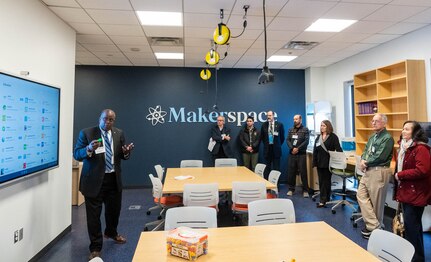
(337, 166)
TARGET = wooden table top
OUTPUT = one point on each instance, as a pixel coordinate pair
(224, 176)
(312, 241)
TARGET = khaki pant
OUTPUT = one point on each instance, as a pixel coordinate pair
(372, 195)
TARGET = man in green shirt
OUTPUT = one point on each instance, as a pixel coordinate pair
(375, 162)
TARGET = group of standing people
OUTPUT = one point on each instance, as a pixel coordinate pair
(272, 136)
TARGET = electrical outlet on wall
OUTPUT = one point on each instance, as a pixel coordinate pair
(15, 236)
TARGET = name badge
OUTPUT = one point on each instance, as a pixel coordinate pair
(373, 149)
(295, 136)
(100, 150)
(275, 133)
(295, 142)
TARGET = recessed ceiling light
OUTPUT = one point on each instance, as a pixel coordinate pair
(169, 55)
(281, 58)
(160, 18)
(330, 25)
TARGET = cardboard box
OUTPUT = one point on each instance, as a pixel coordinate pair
(187, 243)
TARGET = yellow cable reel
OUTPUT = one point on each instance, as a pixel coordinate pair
(221, 34)
(212, 57)
(205, 74)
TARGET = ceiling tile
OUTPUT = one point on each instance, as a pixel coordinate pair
(314, 36)
(359, 47)
(122, 30)
(368, 1)
(379, 38)
(93, 39)
(402, 28)
(272, 7)
(84, 54)
(411, 2)
(79, 47)
(394, 13)
(423, 17)
(236, 22)
(142, 48)
(117, 61)
(208, 6)
(168, 49)
(106, 4)
(163, 31)
(90, 61)
(72, 15)
(129, 40)
(348, 37)
(198, 32)
(281, 35)
(113, 17)
(290, 24)
(368, 27)
(84, 28)
(100, 48)
(160, 6)
(65, 3)
(351, 11)
(305, 8)
(167, 62)
(197, 42)
(241, 43)
(139, 55)
(201, 20)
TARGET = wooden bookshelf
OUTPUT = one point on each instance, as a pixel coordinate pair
(399, 92)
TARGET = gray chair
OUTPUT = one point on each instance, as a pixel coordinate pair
(389, 247)
(271, 212)
(337, 166)
(191, 163)
(226, 162)
(260, 169)
(192, 216)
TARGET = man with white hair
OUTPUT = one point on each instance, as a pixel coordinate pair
(375, 161)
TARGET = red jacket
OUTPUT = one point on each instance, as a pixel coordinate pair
(414, 185)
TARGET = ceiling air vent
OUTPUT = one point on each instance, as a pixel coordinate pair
(300, 45)
(165, 41)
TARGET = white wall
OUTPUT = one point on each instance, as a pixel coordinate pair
(35, 40)
(415, 45)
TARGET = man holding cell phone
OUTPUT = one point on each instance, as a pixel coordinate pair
(102, 148)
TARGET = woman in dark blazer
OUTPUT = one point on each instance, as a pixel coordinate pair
(413, 183)
(326, 141)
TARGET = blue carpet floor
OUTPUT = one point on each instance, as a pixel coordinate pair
(74, 246)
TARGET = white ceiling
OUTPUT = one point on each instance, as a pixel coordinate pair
(108, 29)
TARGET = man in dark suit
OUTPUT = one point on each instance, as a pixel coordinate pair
(272, 135)
(221, 135)
(102, 148)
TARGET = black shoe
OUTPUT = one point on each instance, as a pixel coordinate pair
(320, 205)
(365, 233)
(94, 254)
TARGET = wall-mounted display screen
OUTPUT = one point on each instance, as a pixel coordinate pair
(29, 134)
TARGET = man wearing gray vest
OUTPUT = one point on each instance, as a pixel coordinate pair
(375, 161)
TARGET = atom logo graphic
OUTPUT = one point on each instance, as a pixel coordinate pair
(156, 115)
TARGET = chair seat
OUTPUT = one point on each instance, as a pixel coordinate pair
(342, 173)
(240, 207)
(169, 200)
(270, 195)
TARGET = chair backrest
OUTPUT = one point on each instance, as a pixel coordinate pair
(271, 212)
(192, 163)
(389, 247)
(245, 192)
(259, 169)
(273, 177)
(358, 170)
(96, 259)
(337, 160)
(201, 195)
(157, 186)
(159, 171)
(223, 162)
(194, 217)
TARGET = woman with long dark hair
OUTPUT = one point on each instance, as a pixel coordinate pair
(326, 141)
(413, 182)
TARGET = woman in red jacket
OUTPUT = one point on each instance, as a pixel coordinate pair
(413, 179)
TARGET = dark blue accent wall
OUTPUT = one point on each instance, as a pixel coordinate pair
(131, 91)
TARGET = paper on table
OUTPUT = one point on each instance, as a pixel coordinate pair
(184, 177)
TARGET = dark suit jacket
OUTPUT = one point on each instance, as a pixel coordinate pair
(216, 136)
(278, 140)
(93, 169)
